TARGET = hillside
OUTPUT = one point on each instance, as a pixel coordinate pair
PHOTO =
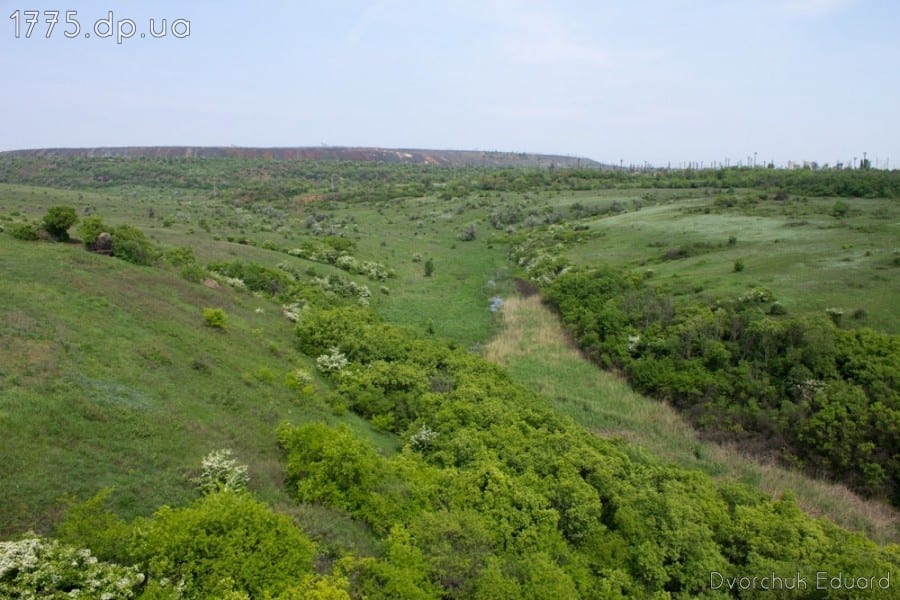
(446, 158)
(347, 370)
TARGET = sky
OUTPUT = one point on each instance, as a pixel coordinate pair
(639, 81)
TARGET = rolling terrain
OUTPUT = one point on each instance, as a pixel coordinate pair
(365, 307)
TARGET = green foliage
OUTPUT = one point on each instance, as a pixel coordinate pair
(224, 543)
(840, 209)
(738, 372)
(58, 220)
(331, 466)
(129, 243)
(429, 267)
(180, 256)
(738, 265)
(215, 318)
(28, 232)
(90, 228)
(256, 277)
(496, 497)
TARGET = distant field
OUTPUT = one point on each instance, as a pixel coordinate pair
(808, 258)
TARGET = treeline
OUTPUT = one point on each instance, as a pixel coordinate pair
(824, 398)
(251, 180)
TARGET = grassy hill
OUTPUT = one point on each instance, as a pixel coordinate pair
(452, 475)
(110, 378)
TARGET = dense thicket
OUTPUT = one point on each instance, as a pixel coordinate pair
(828, 397)
(494, 496)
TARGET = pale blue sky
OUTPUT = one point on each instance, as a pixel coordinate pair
(642, 80)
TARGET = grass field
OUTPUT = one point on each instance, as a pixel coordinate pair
(810, 259)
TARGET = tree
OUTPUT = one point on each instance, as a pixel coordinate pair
(58, 220)
(429, 268)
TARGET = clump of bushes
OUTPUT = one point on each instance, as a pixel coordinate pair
(215, 318)
(124, 241)
(55, 225)
(28, 232)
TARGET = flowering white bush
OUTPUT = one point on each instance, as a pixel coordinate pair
(35, 568)
(220, 471)
(634, 343)
(335, 362)
(292, 311)
(423, 438)
(302, 377)
(346, 262)
(235, 282)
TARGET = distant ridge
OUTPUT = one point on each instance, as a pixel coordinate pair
(449, 158)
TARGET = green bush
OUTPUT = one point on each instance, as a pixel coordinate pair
(223, 544)
(840, 209)
(28, 232)
(129, 243)
(90, 228)
(58, 220)
(215, 318)
(738, 265)
(179, 256)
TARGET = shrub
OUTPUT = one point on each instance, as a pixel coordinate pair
(129, 243)
(468, 234)
(738, 265)
(38, 568)
(91, 227)
(777, 308)
(429, 268)
(215, 318)
(24, 231)
(179, 256)
(221, 472)
(840, 209)
(224, 545)
(58, 220)
(334, 362)
(193, 273)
